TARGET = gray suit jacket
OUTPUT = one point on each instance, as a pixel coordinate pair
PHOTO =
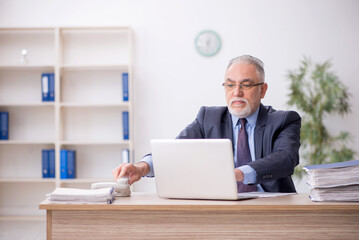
(277, 141)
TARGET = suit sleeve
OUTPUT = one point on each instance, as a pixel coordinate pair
(194, 129)
(281, 142)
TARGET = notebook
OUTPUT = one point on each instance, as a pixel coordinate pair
(194, 169)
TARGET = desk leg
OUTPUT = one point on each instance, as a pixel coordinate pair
(48, 224)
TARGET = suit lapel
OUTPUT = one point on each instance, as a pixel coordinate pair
(259, 130)
(226, 128)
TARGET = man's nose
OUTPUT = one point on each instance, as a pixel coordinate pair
(238, 92)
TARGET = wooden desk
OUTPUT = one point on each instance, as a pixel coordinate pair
(145, 216)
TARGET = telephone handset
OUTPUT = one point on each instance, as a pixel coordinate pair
(121, 187)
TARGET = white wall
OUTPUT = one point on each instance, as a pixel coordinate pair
(172, 81)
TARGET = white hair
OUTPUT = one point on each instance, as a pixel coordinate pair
(250, 60)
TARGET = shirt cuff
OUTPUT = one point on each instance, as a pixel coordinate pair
(250, 175)
(148, 159)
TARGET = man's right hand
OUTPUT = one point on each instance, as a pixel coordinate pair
(133, 172)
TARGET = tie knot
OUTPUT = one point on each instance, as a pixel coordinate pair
(243, 122)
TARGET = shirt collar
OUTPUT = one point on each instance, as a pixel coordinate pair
(252, 119)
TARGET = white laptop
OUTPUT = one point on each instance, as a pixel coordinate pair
(194, 169)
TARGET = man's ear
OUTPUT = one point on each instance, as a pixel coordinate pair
(264, 88)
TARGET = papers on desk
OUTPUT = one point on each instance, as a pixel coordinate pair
(262, 194)
(103, 195)
(334, 181)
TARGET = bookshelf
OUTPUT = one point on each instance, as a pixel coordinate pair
(86, 115)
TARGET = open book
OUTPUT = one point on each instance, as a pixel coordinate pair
(103, 195)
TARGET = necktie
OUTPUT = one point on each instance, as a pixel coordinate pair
(243, 155)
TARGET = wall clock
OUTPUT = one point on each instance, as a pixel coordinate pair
(208, 43)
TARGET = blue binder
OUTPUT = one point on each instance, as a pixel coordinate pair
(45, 87)
(51, 163)
(125, 86)
(4, 125)
(51, 77)
(63, 164)
(332, 165)
(125, 123)
(71, 164)
(45, 163)
(67, 164)
(125, 156)
(48, 87)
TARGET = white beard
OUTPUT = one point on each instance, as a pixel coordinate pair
(240, 113)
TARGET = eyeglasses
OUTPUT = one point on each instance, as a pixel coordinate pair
(244, 86)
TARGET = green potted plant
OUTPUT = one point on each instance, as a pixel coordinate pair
(316, 92)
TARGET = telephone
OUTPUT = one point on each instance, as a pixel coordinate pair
(121, 187)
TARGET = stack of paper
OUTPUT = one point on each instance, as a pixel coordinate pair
(103, 195)
(334, 181)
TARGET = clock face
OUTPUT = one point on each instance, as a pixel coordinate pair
(208, 43)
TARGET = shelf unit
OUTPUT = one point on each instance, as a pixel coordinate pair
(86, 115)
